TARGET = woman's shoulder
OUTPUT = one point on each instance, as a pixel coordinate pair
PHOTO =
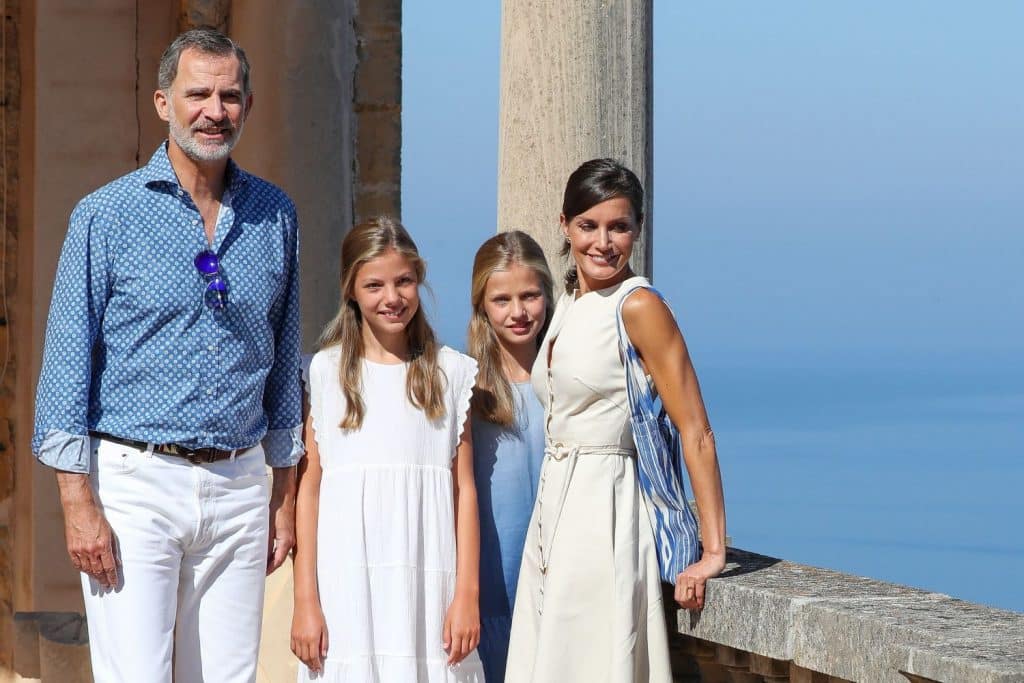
(644, 306)
(631, 286)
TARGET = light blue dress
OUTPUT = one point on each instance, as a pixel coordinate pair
(506, 464)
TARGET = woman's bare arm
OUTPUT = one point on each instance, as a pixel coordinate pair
(659, 342)
(462, 623)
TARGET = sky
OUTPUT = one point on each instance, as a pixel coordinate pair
(830, 179)
(839, 227)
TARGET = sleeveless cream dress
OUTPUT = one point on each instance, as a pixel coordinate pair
(588, 606)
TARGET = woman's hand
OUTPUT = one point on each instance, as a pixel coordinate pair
(461, 628)
(691, 581)
(309, 636)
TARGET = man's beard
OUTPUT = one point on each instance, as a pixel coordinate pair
(199, 151)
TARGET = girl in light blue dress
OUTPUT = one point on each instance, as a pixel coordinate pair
(511, 298)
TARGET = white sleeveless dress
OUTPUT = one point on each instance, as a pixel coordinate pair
(386, 530)
(588, 606)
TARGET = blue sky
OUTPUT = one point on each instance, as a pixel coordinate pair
(839, 225)
(833, 181)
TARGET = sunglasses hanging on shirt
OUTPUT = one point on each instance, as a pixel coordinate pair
(216, 295)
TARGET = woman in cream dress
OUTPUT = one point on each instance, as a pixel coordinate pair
(589, 606)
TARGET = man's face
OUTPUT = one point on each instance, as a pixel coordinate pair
(205, 107)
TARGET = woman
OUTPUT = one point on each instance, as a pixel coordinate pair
(589, 598)
(511, 298)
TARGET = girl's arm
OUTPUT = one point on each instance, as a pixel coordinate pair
(657, 338)
(309, 629)
(462, 623)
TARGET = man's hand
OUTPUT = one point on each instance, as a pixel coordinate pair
(282, 518)
(90, 540)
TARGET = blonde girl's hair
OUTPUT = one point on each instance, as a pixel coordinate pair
(492, 397)
(424, 383)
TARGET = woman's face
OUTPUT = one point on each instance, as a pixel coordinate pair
(601, 241)
(387, 292)
(515, 306)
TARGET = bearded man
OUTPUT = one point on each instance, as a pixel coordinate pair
(170, 380)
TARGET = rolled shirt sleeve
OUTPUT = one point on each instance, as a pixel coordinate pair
(61, 435)
(282, 398)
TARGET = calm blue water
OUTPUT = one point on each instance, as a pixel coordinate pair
(906, 473)
(906, 469)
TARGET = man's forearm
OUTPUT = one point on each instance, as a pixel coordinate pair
(74, 488)
(283, 487)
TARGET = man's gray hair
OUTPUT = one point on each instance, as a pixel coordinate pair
(207, 40)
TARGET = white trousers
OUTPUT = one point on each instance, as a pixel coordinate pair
(192, 542)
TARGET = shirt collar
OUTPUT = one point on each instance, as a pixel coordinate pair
(158, 172)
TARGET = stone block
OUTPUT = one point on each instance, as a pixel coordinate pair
(26, 645)
(731, 657)
(853, 628)
(379, 70)
(711, 672)
(64, 648)
(386, 12)
(379, 152)
(369, 205)
(768, 667)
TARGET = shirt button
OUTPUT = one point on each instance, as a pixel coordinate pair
(211, 347)
(209, 392)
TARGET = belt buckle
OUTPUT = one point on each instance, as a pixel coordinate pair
(199, 456)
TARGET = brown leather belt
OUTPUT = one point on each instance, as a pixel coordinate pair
(196, 456)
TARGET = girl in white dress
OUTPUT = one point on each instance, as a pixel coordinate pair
(589, 605)
(387, 533)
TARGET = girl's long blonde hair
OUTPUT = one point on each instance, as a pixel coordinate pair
(424, 381)
(492, 396)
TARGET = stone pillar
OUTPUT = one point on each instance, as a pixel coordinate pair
(195, 13)
(575, 85)
(10, 105)
(301, 134)
(377, 106)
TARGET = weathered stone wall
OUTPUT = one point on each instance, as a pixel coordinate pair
(377, 163)
(10, 102)
(87, 71)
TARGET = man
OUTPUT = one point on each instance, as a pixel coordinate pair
(170, 378)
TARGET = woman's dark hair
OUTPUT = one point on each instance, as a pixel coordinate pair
(596, 181)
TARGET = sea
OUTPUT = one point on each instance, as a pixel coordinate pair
(907, 468)
(903, 472)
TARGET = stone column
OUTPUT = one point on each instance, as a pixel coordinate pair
(575, 85)
(377, 107)
(301, 134)
(195, 13)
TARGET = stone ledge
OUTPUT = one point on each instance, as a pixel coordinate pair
(855, 628)
(52, 647)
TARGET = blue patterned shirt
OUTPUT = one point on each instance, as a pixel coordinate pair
(133, 351)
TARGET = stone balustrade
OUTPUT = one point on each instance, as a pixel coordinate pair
(766, 621)
(772, 620)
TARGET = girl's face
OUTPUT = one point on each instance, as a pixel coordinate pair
(601, 241)
(387, 292)
(515, 306)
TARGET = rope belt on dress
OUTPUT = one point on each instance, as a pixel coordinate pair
(558, 452)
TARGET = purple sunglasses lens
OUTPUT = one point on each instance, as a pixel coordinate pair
(207, 263)
(216, 294)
